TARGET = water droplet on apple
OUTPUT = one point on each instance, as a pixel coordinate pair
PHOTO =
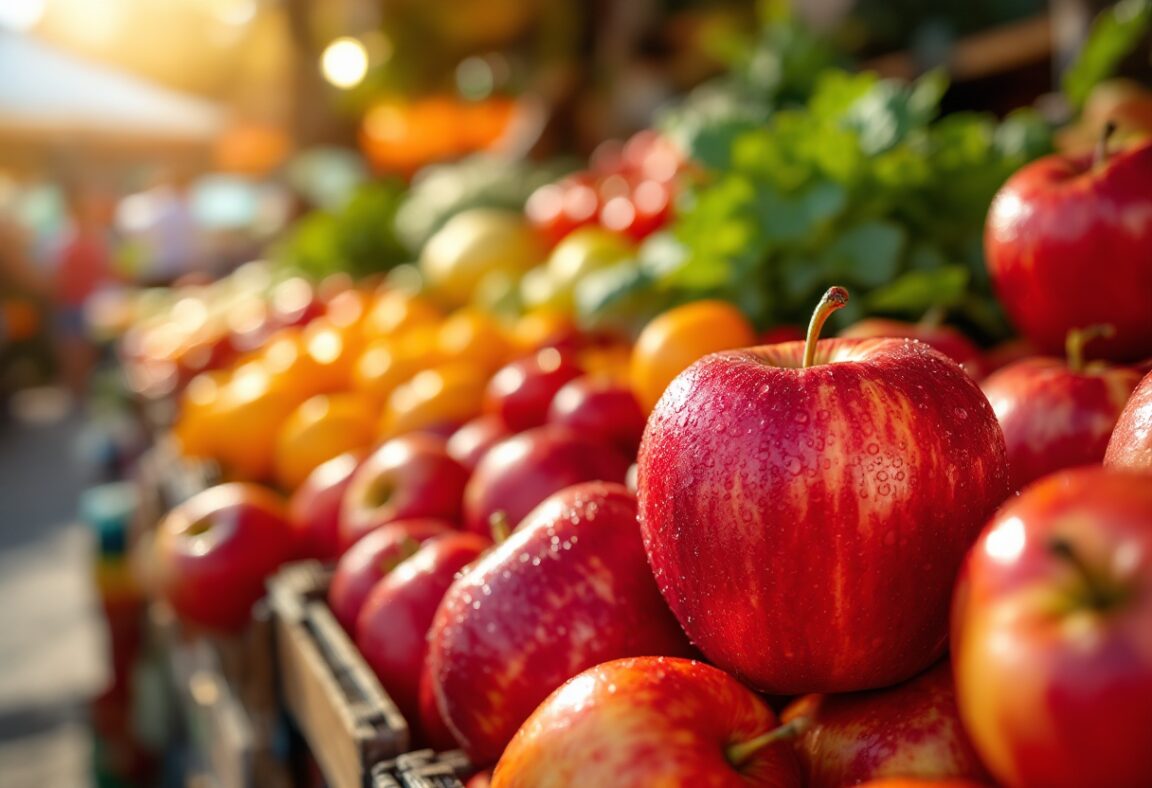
(873, 448)
(961, 413)
(801, 417)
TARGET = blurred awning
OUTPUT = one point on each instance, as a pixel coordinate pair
(48, 95)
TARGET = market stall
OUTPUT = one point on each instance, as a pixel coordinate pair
(799, 437)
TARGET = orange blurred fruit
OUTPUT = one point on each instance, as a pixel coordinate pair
(449, 394)
(475, 337)
(247, 418)
(393, 312)
(384, 365)
(195, 428)
(315, 360)
(608, 361)
(321, 428)
(541, 327)
(672, 341)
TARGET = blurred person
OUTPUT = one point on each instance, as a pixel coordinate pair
(161, 224)
(83, 266)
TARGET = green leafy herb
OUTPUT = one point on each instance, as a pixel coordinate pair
(1114, 35)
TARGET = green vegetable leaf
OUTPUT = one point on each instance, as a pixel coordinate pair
(868, 253)
(1115, 33)
(917, 291)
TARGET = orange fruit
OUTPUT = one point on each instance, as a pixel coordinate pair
(393, 312)
(195, 429)
(321, 428)
(384, 365)
(608, 361)
(474, 337)
(672, 341)
(449, 394)
(540, 327)
(315, 360)
(247, 418)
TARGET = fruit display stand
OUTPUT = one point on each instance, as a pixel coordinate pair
(347, 719)
(422, 769)
(223, 692)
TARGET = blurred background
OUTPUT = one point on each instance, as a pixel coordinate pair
(146, 143)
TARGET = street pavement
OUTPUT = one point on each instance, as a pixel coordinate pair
(51, 638)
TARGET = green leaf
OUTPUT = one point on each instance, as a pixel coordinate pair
(868, 253)
(788, 218)
(916, 291)
(1114, 34)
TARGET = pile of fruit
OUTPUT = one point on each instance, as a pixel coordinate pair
(702, 554)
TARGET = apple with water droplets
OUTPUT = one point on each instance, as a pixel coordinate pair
(1058, 413)
(805, 506)
(912, 730)
(650, 721)
(1130, 447)
(570, 588)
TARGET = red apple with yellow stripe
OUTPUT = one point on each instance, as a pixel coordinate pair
(805, 506)
(1052, 634)
(569, 589)
(912, 730)
(1058, 413)
(1130, 447)
(650, 721)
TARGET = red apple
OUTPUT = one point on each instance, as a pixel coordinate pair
(472, 441)
(521, 392)
(410, 476)
(634, 723)
(436, 732)
(946, 339)
(567, 590)
(916, 782)
(214, 551)
(481, 779)
(314, 508)
(392, 628)
(1057, 414)
(805, 506)
(1130, 447)
(781, 333)
(1069, 244)
(1006, 353)
(519, 473)
(1052, 633)
(602, 409)
(912, 730)
(368, 561)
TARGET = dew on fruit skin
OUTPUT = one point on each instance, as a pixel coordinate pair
(882, 476)
(535, 562)
(801, 417)
(486, 589)
(525, 558)
(961, 413)
(873, 448)
(476, 605)
(793, 466)
(885, 489)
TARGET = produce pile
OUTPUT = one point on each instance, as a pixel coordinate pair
(602, 512)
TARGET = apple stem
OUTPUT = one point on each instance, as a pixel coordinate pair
(407, 549)
(1100, 155)
(500, 527)
(1078, 338)
(741, 752)
(834, 299)
(933, 318)
(1100, 595)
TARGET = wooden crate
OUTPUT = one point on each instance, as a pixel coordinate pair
(345, 716)
(225, 699)
(423, 769)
